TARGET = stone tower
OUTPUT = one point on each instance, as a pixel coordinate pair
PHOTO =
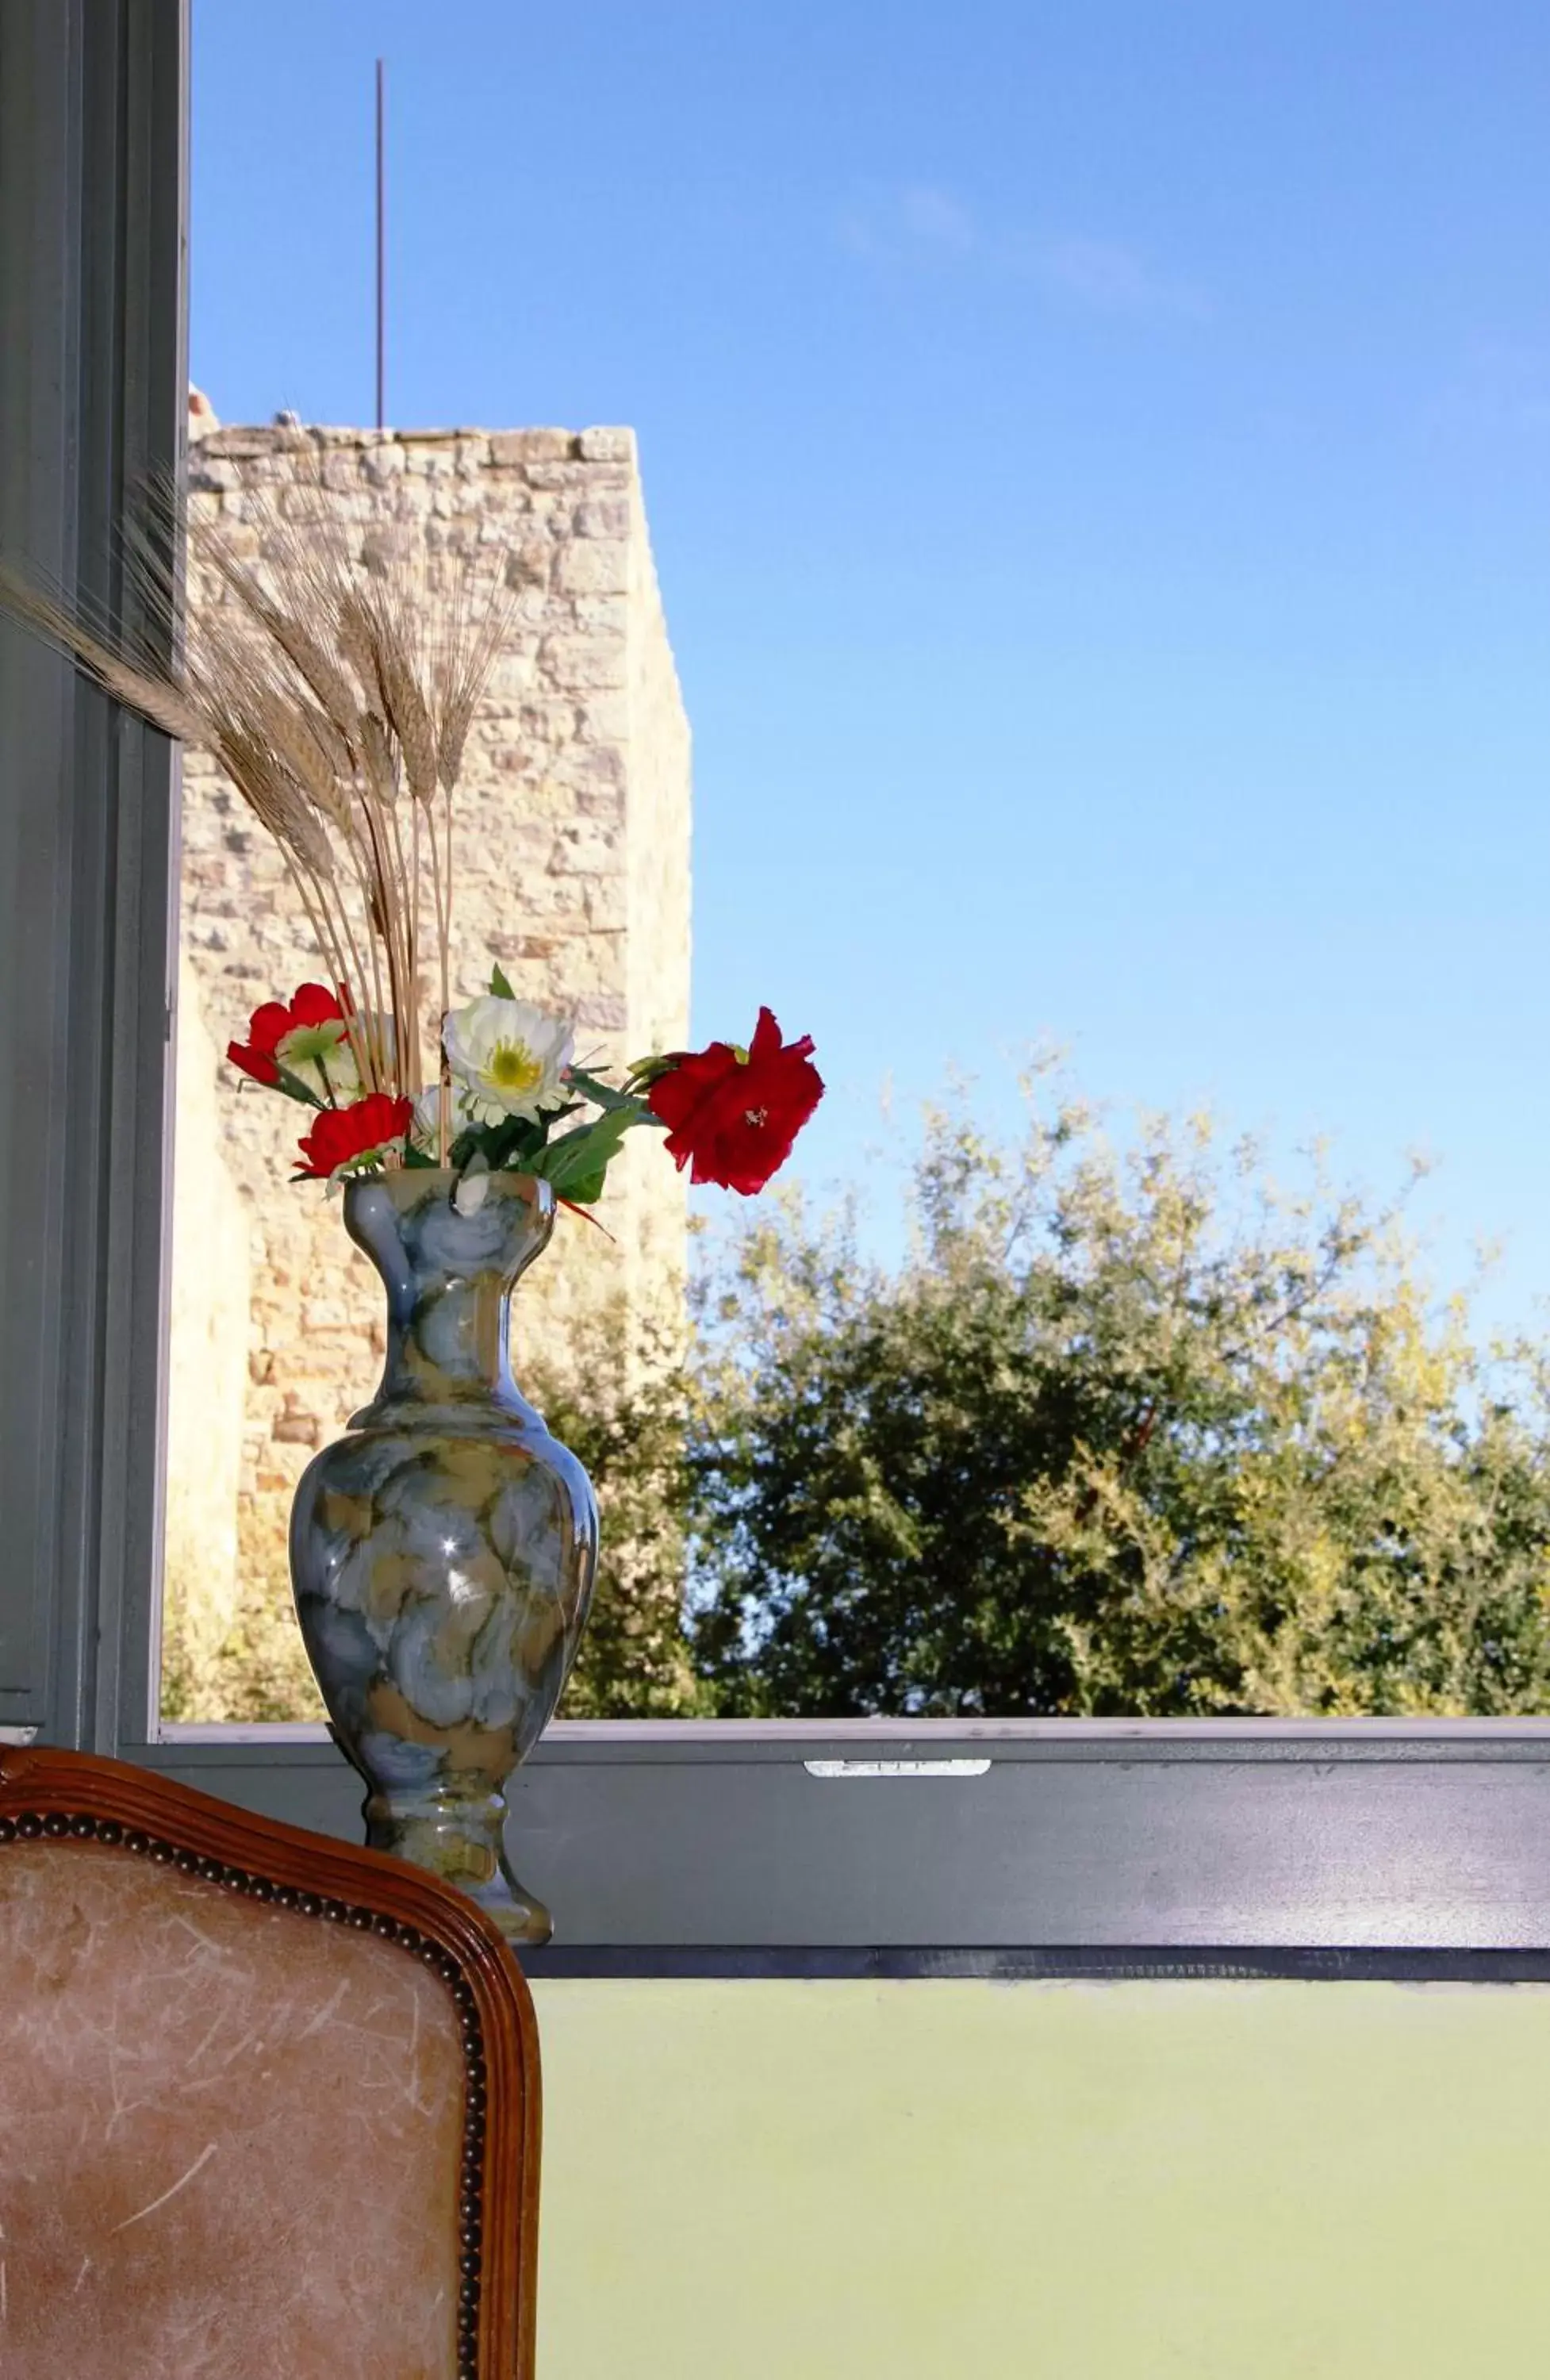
(572, 872)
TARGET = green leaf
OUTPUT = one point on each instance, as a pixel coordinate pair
(508, 1147)
(295, 1089)
(499, 987)
(577, 1163)
(586, 1189)
(544, 1129)
(514, 1144)
(603, 1095)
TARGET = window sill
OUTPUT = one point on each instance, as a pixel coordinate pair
(1117, 1837)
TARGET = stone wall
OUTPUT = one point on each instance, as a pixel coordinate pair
(572, 870)
(208, 1389)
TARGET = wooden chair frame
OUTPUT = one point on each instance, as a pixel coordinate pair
(74, 1797)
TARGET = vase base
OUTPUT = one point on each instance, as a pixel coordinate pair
(520, 1915)
(463, 1845)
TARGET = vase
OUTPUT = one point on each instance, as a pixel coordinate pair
(442, 1552)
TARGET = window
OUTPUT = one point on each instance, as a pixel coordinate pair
(867, 1843)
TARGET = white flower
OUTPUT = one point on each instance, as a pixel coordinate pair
(507, 1058)
(426, 1129)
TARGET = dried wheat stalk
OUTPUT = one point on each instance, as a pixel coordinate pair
(329, 687)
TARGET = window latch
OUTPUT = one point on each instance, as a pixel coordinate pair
(896, 1767)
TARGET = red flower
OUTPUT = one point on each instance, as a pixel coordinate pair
(263, 1055)
(346, 1136)
(734, 1112)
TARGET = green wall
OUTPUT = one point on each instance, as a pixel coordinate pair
(1228, 2181)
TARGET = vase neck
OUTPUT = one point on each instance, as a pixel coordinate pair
(449, 1277)
(453, 1342)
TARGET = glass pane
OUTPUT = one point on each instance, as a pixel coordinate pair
(1098, 472)
(1213, 2178)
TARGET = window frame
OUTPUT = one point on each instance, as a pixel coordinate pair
(93, 204)
(1113, 1847)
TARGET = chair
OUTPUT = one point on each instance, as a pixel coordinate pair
(269, 2105)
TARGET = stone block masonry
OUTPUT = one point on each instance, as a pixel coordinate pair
(572, 871)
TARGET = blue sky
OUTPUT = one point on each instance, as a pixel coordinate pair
(1099, 462)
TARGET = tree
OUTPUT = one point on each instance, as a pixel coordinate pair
(621, 1405)
(1121, 1435)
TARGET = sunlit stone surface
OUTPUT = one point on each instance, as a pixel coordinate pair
(229, 2135)
(572, 853)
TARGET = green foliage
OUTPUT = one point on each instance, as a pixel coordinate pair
(1121, 1435)
(517, 1142)
(577, 1163)
(255, 1672)
(621, 1405)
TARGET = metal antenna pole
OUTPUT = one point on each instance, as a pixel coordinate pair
(381, 251)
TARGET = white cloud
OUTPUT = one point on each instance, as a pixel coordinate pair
(922, 226)
(917, 223)
(936, 219)
(1108, 278)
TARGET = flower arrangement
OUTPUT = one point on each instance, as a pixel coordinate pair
(510, 1080)
(337, 693)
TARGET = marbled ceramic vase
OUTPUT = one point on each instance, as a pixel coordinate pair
(442, 1552)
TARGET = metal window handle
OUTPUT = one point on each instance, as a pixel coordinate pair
(896, 1767)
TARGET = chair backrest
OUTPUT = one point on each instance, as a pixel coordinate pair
(269, 2105)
